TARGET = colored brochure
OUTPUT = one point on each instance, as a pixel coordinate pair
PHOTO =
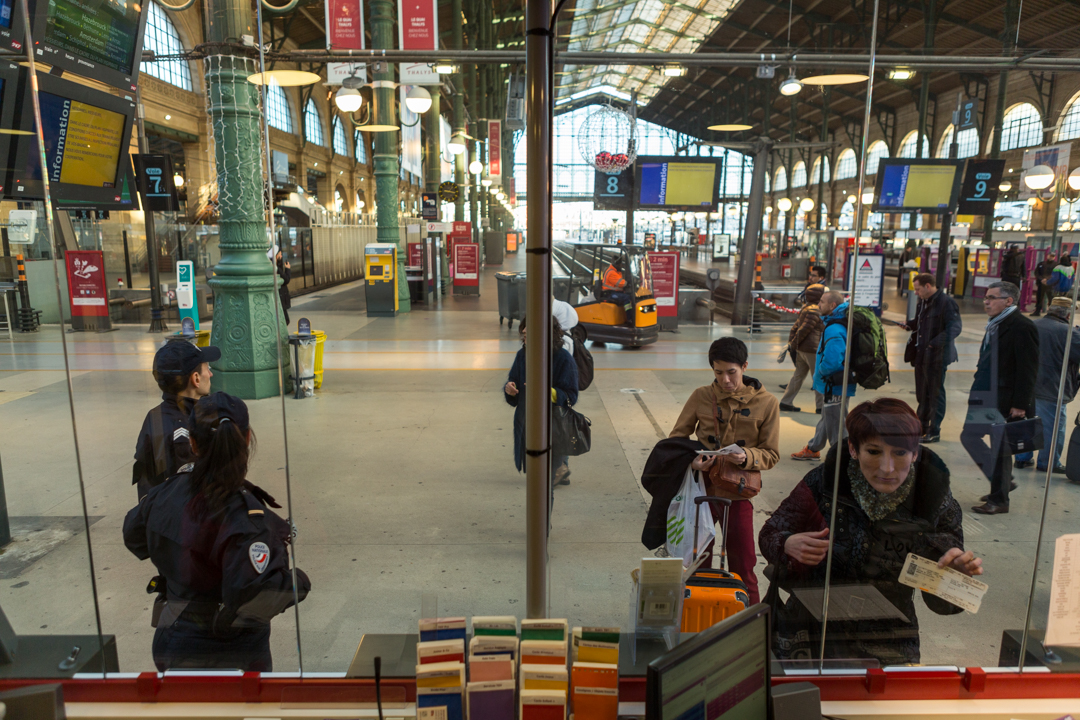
(543, 705)
(543, 652)
(544, 677)
(440, 651)
(451, 700)
(545, 629)
(441, 675)
(494, 625)
(491, 700)
(450, 628)
(483, 668)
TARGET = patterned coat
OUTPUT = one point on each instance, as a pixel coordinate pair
(928, 524)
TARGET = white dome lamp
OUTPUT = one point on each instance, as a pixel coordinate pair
(348, 100)
(418, 100)
(457, 144)
(476, 167)
(1074, 179)
(1039, 177)
(784, 204)
(806, 205)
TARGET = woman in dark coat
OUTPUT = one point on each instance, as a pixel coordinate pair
(564, 387)
(893, 499)
(284, 269)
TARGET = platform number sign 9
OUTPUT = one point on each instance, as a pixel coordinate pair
(980, 189)
(156, 184)
(613, 192)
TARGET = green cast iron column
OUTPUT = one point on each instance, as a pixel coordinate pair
(386, 145)
(433, 126)
(246, 326)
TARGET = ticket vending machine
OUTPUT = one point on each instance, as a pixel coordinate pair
(380, 265)
(185, 292)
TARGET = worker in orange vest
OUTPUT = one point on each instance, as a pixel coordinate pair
(615, 289)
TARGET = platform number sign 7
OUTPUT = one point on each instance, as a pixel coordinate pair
(156, 185)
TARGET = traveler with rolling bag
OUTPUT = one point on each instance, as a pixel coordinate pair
(738, 421)
(712, 595)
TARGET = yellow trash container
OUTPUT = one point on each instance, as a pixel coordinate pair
(202, 338)
(320, 340)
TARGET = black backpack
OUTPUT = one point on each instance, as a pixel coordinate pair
(869, 351)
(584, 361)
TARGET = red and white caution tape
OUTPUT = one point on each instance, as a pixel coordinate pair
(774, 306)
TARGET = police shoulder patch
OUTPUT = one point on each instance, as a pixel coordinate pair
(259, 554)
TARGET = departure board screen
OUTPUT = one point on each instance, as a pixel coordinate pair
(928, 186)
(104, 32)
(5, 13)
(677, 183)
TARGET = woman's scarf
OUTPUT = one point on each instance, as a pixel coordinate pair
(878, 505)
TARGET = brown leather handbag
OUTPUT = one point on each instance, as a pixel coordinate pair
(726, 475)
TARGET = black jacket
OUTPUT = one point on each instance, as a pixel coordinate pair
(662, 478)
(1052, 333)
(229, 567)
(935, 328)
(163, 446)
(1008, 367)
(283, 289)
(928, 524)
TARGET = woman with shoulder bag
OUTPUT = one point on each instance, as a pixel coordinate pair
(734, 410)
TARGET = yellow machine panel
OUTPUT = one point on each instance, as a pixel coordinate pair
(646, 313)
(601, 314)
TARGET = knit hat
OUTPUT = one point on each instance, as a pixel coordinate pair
(814, 293)
(1062, 301)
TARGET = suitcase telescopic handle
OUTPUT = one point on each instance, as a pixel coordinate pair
(726, 502)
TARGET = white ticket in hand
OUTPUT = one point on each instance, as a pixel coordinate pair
(729, 450)
(948, 584)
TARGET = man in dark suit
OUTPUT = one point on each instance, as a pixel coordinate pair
(931, 348)
(1004, 387)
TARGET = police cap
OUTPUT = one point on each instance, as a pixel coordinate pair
(182, 358)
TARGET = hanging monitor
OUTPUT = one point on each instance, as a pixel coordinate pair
(87, 136)
(99, 39)
(9, 114)
(12, 27)
(677, 183)
(917, 186)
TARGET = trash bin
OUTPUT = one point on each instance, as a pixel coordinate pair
(303, 366)
(511, 296)
(202, 338)
(320, 340)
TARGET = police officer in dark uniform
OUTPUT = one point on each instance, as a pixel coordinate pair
(183, 373)
(221, 552)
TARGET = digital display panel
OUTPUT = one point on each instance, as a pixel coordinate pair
(86, 135)
(677, 183)
(101, 39)
(6, 7)
(929, 186)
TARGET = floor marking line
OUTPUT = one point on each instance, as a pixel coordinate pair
(656, 426)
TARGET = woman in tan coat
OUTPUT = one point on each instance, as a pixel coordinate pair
(734, 410)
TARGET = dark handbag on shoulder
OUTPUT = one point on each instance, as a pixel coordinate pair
(571, 432)
(1021, 436)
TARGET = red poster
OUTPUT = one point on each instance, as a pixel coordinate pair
(462, 228)
(86, 282)
(467, 264)
(665, 282)
(840, 262)
(495, 151)
(416, 254)
(345, 24)
(418, 25)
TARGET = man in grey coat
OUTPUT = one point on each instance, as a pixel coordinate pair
(1053, 331)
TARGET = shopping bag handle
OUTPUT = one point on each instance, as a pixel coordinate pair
(711, 498)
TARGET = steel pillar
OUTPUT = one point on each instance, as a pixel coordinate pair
(246, 326)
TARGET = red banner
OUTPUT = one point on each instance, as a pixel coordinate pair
(665, 282)
(467, 264)
(87, 293)
(418, 25)
(495, 151)
(345, 24)
(462, 228)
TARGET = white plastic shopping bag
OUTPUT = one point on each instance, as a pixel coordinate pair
(680, 521)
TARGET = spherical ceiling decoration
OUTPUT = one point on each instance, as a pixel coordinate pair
(607, 140)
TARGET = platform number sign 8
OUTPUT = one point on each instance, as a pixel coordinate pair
(613, 192)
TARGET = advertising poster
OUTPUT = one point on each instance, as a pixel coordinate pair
(868, 280)
(467, 264)
(86, 282)
(665, 276)
(418, 29)
(840, 262)
(1056, 156)
(416, 254)
(495, 151)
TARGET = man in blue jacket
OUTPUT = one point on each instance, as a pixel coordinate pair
(828, 376)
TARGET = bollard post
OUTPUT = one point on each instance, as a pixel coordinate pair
(28, 317)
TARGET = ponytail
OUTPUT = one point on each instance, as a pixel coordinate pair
(223, 450)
